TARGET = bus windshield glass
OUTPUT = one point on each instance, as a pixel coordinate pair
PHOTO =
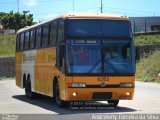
(99, 57)
(84, 56)
(118, 57)
(98, 28)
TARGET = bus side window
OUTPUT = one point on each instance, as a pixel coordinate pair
(32, 39)
(53, 33)
(45, 35)
(22, 41)
(35, 38)
(27, 40)
(38, 38)
(60, 30)
(17, 42)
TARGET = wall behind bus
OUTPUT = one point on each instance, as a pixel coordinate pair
(7, 67)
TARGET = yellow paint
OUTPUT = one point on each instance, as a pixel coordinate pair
(49, 69)
(18, 68)
(39, 72)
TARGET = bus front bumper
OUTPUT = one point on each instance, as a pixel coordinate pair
(98, 94)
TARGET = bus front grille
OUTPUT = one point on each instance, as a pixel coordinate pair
(102, 95)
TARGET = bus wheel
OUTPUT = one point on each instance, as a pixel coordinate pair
(28, 90)
(113, 103)
(57, 98)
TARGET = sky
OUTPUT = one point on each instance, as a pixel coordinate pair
(45, 9)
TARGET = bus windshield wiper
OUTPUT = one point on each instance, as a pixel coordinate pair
(94, 66)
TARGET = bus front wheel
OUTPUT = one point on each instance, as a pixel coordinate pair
(113, 103)
(57, 98)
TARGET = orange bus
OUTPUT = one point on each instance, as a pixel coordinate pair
(77, 57)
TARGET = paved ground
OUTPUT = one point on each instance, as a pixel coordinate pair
(13, 101)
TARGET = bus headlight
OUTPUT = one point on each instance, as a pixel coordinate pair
(74, 94)
(126, 85)
(78, 85)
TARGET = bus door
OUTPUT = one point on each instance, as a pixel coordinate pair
(60, 62)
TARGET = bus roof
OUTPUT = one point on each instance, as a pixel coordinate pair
(78, 15)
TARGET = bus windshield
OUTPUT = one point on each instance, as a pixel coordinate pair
(99, 56)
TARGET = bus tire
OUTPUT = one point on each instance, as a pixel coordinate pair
(113, 103)
(24, 80)
(57, 98)
(28, 90)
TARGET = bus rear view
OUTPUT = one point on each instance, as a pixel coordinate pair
(100, 60)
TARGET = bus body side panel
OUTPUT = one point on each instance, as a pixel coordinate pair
(19, 76)
(93, 86)
(39, 72)
(49, 69)
(62, 84)
(50, 82)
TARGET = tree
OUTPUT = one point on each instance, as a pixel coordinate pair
(4, 20)
(15, 20)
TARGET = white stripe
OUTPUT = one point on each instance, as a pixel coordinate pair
(28, 66)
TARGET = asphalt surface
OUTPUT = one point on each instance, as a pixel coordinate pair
(13, 101)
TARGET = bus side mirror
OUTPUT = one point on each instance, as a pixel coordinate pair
(137, 56)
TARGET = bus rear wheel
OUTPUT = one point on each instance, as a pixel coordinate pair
(113, 103)
(57, 98)
(28, 90)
